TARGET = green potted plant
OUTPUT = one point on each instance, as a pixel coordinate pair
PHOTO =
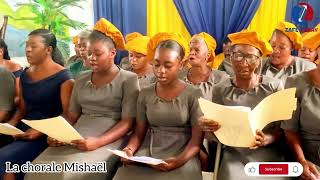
(51, 14)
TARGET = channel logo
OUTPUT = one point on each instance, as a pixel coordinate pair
(302, 12)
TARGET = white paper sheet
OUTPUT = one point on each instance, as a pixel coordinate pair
(141, 159)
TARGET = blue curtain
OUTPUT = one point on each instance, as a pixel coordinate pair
(294, 11)
(127, 15)
(216, 17)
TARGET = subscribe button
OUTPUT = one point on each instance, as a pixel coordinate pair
(292, 169)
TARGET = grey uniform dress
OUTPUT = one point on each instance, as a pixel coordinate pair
(146, 80)
(298, 65)
(100, 108)
(306, 120)
(226, 66)
(170, 124)
(206, 87)
(7, 90)
(234, 159)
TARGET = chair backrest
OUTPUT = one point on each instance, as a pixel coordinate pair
(3, 26)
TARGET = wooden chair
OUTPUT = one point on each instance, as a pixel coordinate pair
(3, 26)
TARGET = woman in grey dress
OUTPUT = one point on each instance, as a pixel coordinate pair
(7, 93)
(246, 88)
(303, 131)
(140, 64)
(167, 116)
(281, 63)
(202, 48)
(226, 65)
(103, 107)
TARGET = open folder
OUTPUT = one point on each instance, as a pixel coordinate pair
(8, 129)
(57, 128)
(239, 125)
(140, 159)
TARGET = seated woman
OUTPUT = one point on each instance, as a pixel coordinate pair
(167, 115)
(306, 52)
(312, 41)
(202, 48)
(246, 88)
(7, 93)
(281, 63)
(302, 132)
(74, 58)
(103, 107)
(13, 67)
(52, 85)
(81, 63)
(226, 65)
(140, 64)
(7, 84)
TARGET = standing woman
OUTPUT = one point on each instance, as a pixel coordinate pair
(167, 115)
(302, 132)
(281, 63)
(103, 107)
(53, 85)
(140, 64)
(202, 48)
(246, 88)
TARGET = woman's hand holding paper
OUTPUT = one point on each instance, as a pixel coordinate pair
(208, 125)
(261, 140)
(30, 134)
(129, 153)
(87, 144)
(55, 143)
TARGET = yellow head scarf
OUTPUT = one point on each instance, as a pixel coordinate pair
(132, 35)
(210, 42)
(137, 44)
(295, 37)
(251, 38)
(311, 40)
(163, 36)
(75, 40)
(111, 31)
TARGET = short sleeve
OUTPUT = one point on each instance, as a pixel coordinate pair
(130, 95)
(293, 124)
(216, 96)
(221, 66)
(141, 108)
(74, 106)
(7, 90)
(195, 110)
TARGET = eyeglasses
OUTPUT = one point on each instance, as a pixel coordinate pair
(250, 58)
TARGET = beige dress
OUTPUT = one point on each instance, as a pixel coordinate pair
(306, 120)
(206, 87)
(234, 159)
(100, 109)
(298, 65)
(170, 124)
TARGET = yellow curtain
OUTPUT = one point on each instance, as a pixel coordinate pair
(162, 16)
(269, 13)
